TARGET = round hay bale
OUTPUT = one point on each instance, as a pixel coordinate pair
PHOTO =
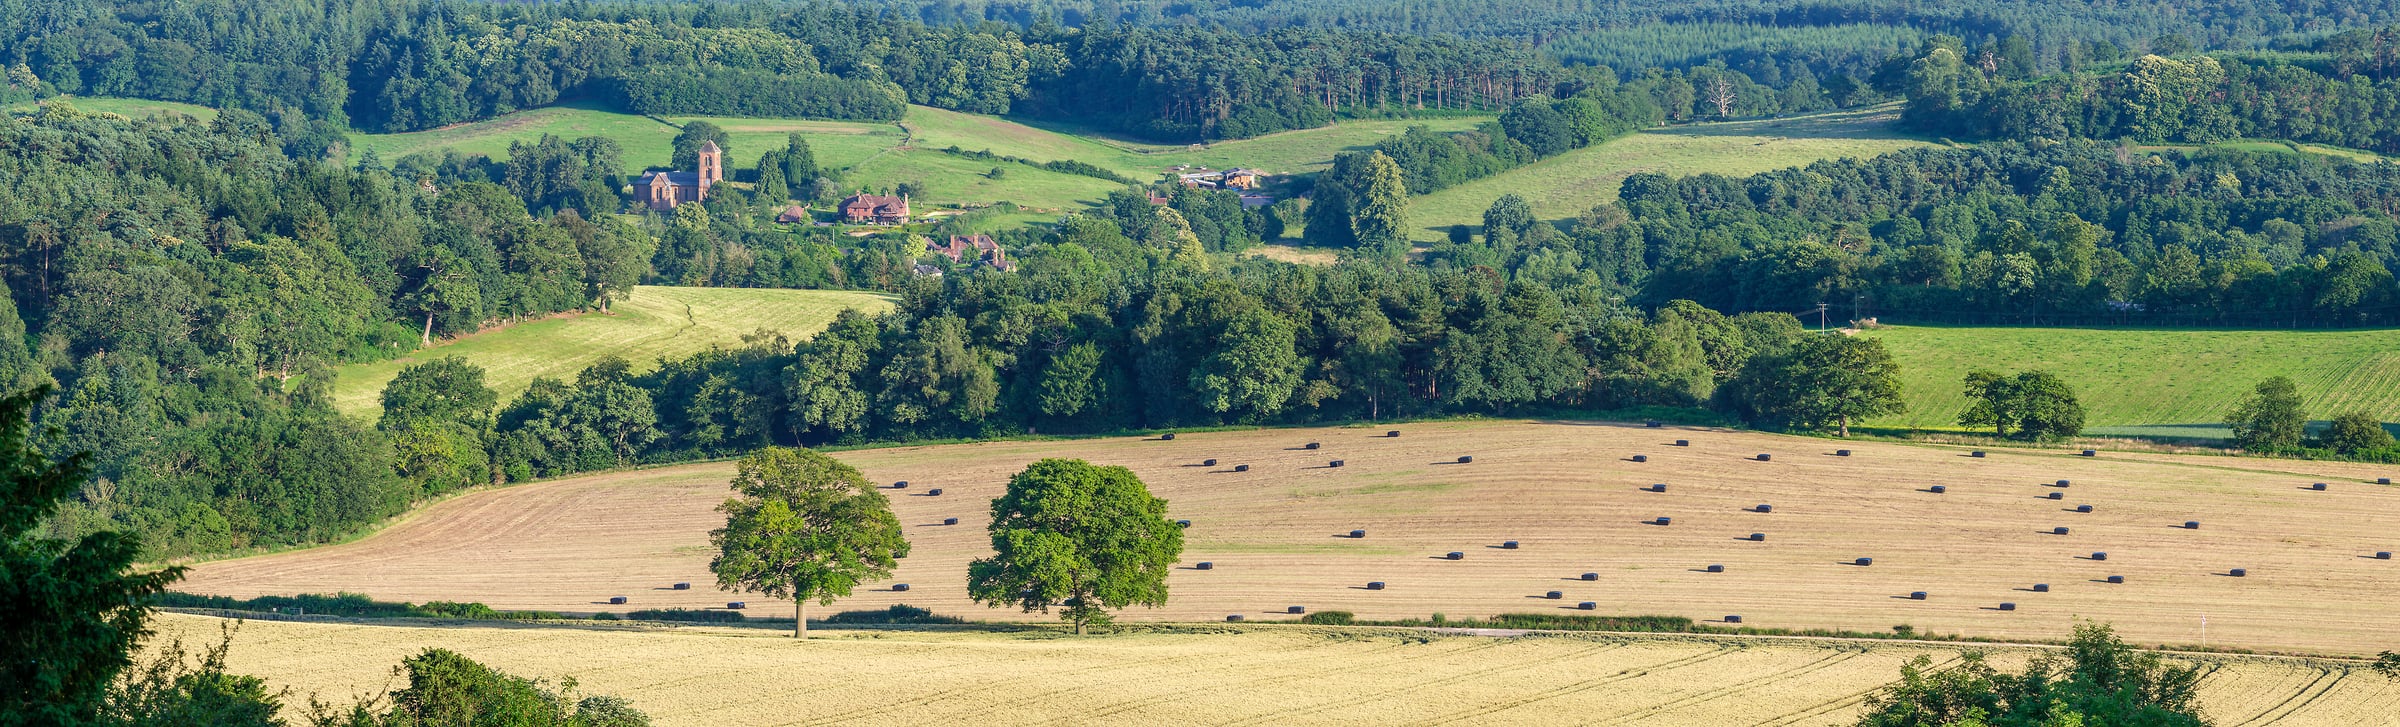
(2383, 480)
(1233, 618)
(2004, 606)
(2066, 483)
(900, 587)
(1764, 457)
(1204, 565)
(1916, 595)
(1295, 609)
(737, 605)
(1314, 445)
(949, 521)
(2091, 453)
(1978, 454)
(2320, 487)
(1763, 507)
(1358, 533)
(1508, 545)
(1335, 463)
(2058, 495)
(1208, 463)
(1733, 618)
(2116, 579)
(901, 485)
(1939, 489)
(1864, 561)
(683, 586)
(1715, 568)
(1183, 523)
(1591, 576)
(2239, 572)
(1758, 537)
(1374, 585)
(1587, 606)
(1169, 436)
(2060, 530)
(1841, 453)
(1654, 424)
(2099, 555)
(1466, 459)
(1395, 434)
(935, 492)
(2083, 508)
(2041, 588)
(1664, 520)
(1241, 468)
(2383, 555)
(616, 600)
(1658, 487)
(1455, 555)
(2191, 525)
(1554, 595)
(1683, 442)
(1641, 458)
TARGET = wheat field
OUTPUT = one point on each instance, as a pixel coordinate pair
(1277, 534)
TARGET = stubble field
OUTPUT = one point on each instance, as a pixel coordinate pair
(1566, 492)
(1218, 676)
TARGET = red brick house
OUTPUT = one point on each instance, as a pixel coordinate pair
(878, 209)
(793, 215)
(972, 249)
(661, 191)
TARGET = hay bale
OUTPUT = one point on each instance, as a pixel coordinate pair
(2320, 487)
(2383, 555)
(949, 521)
(1978, 454)
(1233, 618)
(737, 605)
(1204, 565)
(2058, 495)
(1939, 489)
(2083, 508)
(1587, 606)
(2383, 480)
(1764, 457)
(1456, 555)
(1208, 463)
(1763, 507)
(1335, 463)
(1683, 442)
(1295, 609)
(900, 587)
(2239, 572)
(1733, 618)
(1916, 595)
(1313, 445)
(2004, 606)
(1554, 595)
(1183, 523)
(2091, 453)
(1465, 459)
(2066, 483)
(1508, 545)
(935, 492)
(2099, 555)
(1841, 453)
(1241, 468)
(2041, 588)
(1715, 568)
(1864, 561)
(1358, 533)
(1654, 424)
(1395, 434)
(1658, 487)
(1374, 585)
(1591, 576)
(2191, 525)
(616, 600)
(2060, 530)
(1641, 458)
(1169, 436)
(1664, 520)
(2116, 579)
(1758, 537)
(683, 586)
(901, 485)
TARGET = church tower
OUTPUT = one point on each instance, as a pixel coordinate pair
(712, 166)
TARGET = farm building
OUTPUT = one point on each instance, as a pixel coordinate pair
(876, 209)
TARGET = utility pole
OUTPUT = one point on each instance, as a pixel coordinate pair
(1820, 317)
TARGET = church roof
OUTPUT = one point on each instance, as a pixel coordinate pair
(674, 179)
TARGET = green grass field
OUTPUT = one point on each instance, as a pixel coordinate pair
(2150, 381)
(1291, 152)
(1563, 186)
(647, 141)
(655, 322)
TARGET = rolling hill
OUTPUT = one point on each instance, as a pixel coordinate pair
(654, 322)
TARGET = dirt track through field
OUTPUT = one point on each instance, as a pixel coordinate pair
(1566, 491)
(1247, 676)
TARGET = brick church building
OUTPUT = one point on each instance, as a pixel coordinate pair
(661, 191)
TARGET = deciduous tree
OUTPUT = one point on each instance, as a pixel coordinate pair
(805, 527)
(1069, 533)
(2270, 418)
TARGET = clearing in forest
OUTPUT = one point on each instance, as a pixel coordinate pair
(655, 322)
(1277, 535)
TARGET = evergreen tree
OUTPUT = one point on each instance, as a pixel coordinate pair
(1380, 220)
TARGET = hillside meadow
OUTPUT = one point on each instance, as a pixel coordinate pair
(2137, 377)
(1255, 675)
(1563, 186)
(1568, 493)
(655, 322)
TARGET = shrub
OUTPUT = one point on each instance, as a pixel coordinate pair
(1329, 618)
(684, 614)
(899, 613)
(2355, 432)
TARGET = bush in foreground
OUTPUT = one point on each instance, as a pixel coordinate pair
(2101, 681)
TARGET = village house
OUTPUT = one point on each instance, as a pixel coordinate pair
(794, 214)
(863, 208)
(1236, 178)
(661, 191)
(972, 250)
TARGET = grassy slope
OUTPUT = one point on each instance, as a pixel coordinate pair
(1565, 185)
(2150, 377)
(133, 107)
(655, 322)
(1290, 152)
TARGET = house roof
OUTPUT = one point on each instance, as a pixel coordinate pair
(674, 179)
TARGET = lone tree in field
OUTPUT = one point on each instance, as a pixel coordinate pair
(1823, 380)
(2270, 418)
(805, 527)
(1068, 532)
(2034, 405)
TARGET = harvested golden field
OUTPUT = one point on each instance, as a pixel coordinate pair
(1244, 676)
(1567, 492)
